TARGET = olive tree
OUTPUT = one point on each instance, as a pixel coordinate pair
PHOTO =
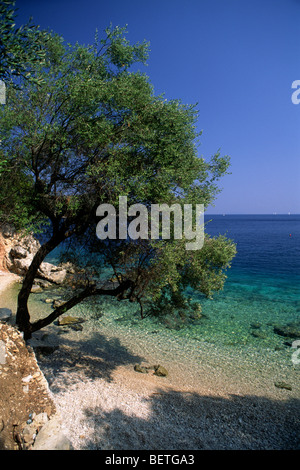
(92, 130)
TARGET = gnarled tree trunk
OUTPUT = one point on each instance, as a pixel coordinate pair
(23, 316)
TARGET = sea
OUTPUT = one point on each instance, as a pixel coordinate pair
(262, 289)
(262, 292)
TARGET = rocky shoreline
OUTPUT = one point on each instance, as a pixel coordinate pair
(28, 415)
(107, 397)
(16, 254)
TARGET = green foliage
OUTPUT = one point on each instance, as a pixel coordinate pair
(20, 48)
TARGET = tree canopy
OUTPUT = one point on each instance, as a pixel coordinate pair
(91, 130)
(20, 48)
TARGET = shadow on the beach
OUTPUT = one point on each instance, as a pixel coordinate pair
(168, 420)
(189, 421)
(95, 357)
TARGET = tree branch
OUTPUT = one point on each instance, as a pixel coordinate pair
(89, 291)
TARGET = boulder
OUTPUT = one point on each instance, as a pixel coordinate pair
(45, 269)
(45, 349)
(5, 314)
(58, 303)
(21, 265)
(18, 252)
(141, 369)
(51, 437)
(36, 289)
(52, 273)
(42, 283)
(160, 371)
(58, 277)
(68, 320)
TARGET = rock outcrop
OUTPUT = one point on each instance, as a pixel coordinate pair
(16, 254)
(28, 416)
(159, 370)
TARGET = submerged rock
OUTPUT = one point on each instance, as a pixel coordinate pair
(18, 252)
(291, 330)
(58, 303)
(258, 334)
(141, 369)
(284, 385)
(45, 350)
(36, 289)
(161, 371)
(68, 320)
(255, 325)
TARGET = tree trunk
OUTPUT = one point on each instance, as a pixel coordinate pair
(23, 317)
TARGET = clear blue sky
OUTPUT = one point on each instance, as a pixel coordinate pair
(236, 58)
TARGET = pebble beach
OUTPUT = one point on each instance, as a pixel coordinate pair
(211, 399)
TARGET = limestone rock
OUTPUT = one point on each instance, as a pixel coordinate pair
(58, 277)
(21, 266)
(51, 437)
(57, 303)
(36, 289)
(42, 283)
(18, 252)
(69, 320)
(141, 369)
(52, 273)
(45, 269)
(24, 392)
(161, 371)
(284, 385)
